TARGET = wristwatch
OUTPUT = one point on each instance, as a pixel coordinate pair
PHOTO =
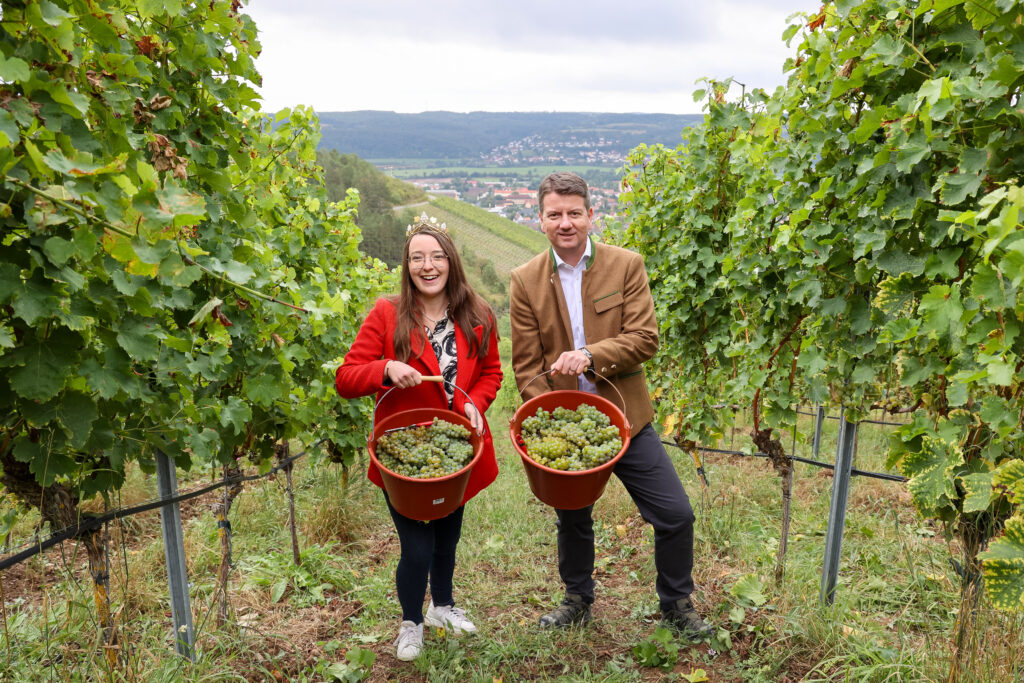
(588, 354)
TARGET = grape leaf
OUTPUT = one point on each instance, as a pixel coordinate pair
(931, 485)
(77, 412)
(46, 366)
(979, 491)
(749, 590)
(1003, 565)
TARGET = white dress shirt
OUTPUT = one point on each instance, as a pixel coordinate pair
(572, 283)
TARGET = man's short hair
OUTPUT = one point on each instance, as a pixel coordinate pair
(563, 182)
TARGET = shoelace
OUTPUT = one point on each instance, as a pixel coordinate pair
(406, 635)
(456, 615)
(455, 618)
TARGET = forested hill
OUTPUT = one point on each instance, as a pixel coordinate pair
(383, 229)
(444, 134)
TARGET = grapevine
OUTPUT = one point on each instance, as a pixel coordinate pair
(857, 235)
(169, 273)
(571, 440)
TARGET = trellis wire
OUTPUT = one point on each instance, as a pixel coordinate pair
(91, 523)
(843, 469)
(861, 473)
(173, 536)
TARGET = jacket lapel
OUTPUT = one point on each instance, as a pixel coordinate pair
(466, 366)
(563, 308)
(587, 286)
(428, 358)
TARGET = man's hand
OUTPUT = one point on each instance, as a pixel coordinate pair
(573, 363)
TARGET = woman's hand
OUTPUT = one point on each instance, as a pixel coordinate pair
(402, 375)
(476, 420)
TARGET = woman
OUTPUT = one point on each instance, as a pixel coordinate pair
(437, 325)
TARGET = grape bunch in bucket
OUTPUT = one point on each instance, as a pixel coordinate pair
(566, 439)
(426, 451)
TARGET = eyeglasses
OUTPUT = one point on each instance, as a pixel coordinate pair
(419, 260)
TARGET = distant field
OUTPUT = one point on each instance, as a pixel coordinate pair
(399, 169)
(423, 163)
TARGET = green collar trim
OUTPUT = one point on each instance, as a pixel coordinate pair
(590, 261)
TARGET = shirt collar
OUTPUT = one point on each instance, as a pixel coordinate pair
(583, 261)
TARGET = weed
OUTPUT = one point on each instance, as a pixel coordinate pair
(356, 666)
(659, 650)
(317, 572)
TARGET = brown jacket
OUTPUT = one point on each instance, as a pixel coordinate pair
(618, 320)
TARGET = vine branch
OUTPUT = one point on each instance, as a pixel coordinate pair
(69, 206)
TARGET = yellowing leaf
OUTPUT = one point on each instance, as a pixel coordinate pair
(140, 268)
(670, 424)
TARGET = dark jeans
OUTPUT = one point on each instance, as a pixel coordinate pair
(651, 480)
(428, 550)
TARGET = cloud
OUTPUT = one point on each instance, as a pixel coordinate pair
(532, 23)
(529, 23)
(643, 55)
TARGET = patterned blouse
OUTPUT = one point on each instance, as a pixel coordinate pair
(442, 338)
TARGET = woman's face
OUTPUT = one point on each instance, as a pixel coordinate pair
(428, 265)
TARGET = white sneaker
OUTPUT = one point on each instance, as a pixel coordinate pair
(451, 618)
(409, 641)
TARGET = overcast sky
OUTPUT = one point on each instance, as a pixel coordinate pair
(527, 55)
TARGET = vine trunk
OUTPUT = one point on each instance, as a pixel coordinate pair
(222, 511)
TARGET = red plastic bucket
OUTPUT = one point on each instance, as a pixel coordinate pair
(567, 490)
(425, 499)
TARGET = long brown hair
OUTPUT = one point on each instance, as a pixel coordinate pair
(465, 307)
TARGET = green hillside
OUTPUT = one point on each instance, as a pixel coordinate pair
(505, 243)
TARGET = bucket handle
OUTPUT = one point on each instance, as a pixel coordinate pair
(425, 378)
(595, 372)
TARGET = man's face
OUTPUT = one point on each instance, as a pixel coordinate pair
(566, 221)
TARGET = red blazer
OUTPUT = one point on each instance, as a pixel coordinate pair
(362, 373)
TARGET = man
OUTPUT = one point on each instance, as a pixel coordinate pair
(581, 306)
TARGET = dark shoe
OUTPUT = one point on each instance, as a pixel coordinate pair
(573, 610)
(684, 620)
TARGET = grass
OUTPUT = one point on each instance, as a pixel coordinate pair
(895, 608)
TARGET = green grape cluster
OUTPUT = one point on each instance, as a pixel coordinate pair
(565, 439)
(427, 451)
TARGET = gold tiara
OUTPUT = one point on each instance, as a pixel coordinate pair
(425, 223)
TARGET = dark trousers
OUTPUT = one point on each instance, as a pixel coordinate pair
(651, 480)
(427, 551)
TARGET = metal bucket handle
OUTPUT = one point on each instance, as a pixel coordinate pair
(426, 378)
(595, 372)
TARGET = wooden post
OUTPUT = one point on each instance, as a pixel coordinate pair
(282, 451)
